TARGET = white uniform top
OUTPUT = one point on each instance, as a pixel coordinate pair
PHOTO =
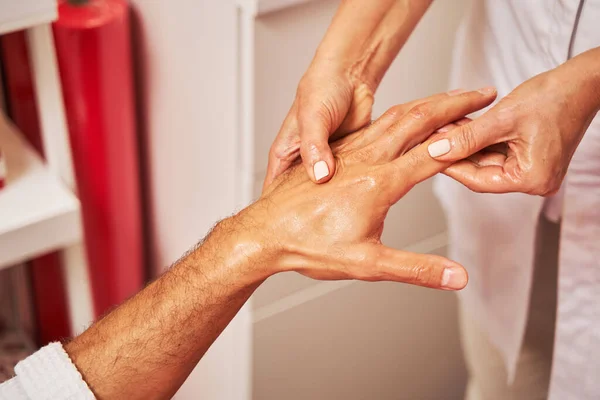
(504, 43)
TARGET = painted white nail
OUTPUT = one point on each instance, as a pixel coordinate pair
(321, 170)
(439, 148)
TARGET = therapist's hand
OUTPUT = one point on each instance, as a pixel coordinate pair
(333, 231)
(335, 95)
(525, 142)
(328, 100)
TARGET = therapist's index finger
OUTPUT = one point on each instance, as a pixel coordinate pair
(413, 167)
(469, 138)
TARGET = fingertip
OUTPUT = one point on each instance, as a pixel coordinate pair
(439, 148)
(319, 162)
(320, 171)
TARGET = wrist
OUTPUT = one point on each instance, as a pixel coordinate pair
(357, 68)
(240, 249)
(582, 73)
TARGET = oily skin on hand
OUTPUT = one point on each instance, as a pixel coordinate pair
(335, 230)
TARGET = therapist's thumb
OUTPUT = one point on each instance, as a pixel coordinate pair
(467, 139)
(316, 154)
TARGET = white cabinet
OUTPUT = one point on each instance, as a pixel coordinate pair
(37, 211)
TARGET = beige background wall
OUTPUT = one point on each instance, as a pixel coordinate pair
(354, 340)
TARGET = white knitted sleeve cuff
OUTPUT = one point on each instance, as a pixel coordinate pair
(50, 374)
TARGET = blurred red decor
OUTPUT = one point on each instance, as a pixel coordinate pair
(94, 54)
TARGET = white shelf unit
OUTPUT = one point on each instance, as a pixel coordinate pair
(23, 14)
(39, 211)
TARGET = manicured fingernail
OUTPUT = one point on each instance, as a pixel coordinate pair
(455, 92)
(454, 278)
(321, 170)
(487, 90)
(439, 148)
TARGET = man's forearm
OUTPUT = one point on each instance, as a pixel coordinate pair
(366, 35)
(148, 346)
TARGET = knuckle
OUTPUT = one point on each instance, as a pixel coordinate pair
(395, 111)
(466, 140)
(421, 275)
(378, 271)
(285, 150)
(308, 146)
(420, 111)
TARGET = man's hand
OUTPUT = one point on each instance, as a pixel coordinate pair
(333, 231)
(525, 143)
(335, 96)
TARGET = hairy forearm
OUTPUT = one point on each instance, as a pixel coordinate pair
(148, 346)
(366, 35)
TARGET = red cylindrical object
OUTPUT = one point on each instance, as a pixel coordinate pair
(94, 57)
